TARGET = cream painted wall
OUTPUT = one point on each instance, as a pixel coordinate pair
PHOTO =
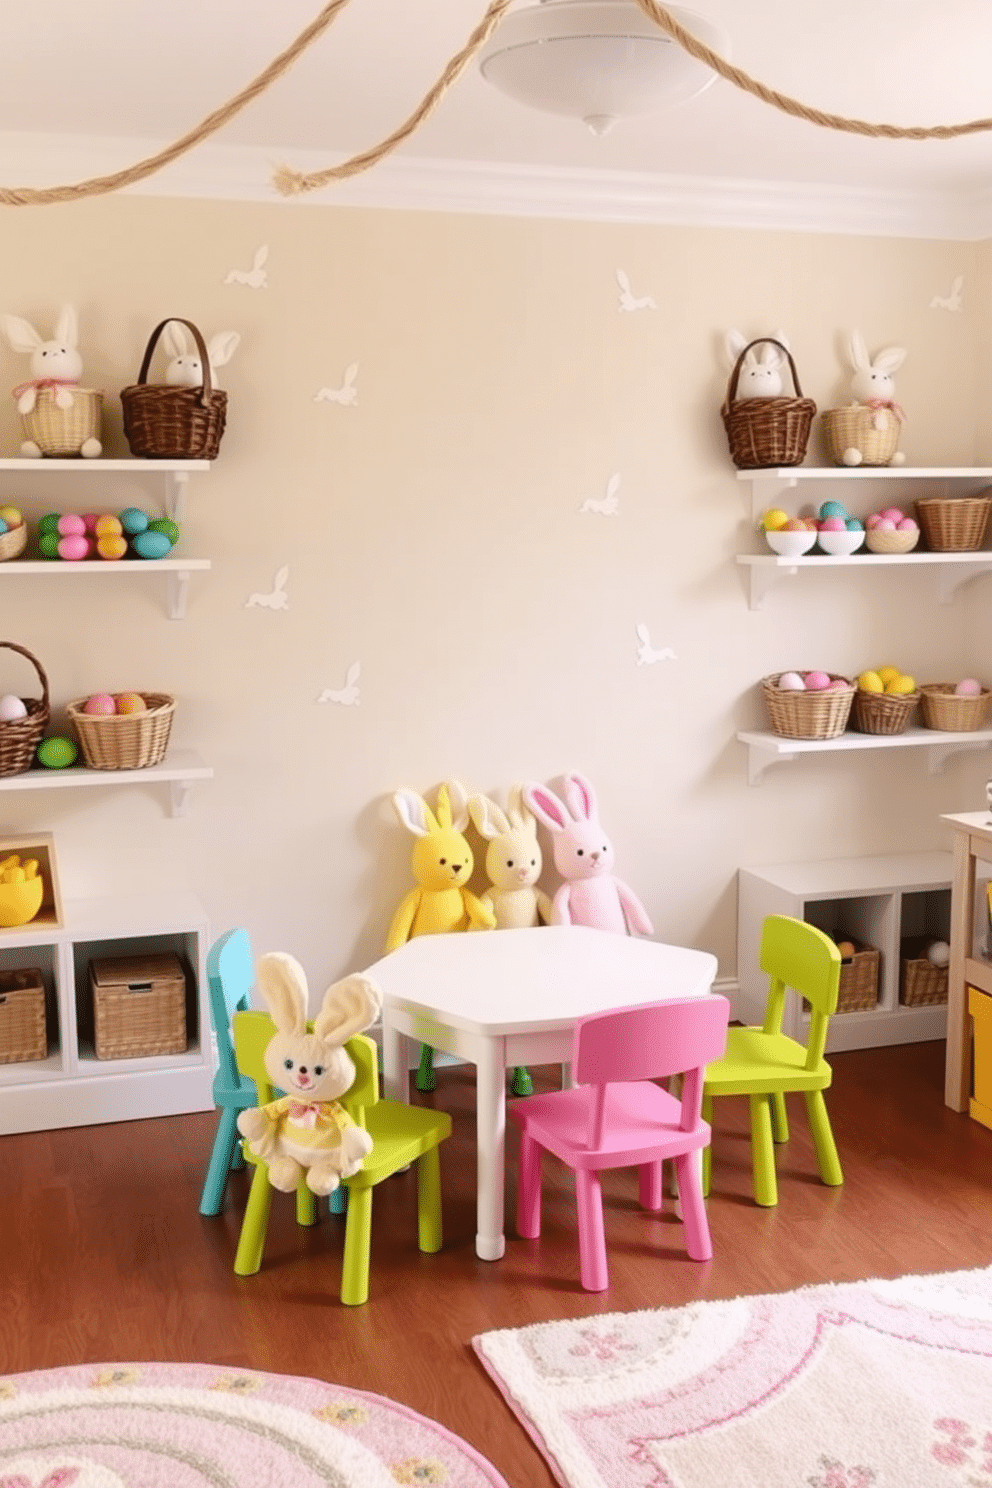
(433, 532)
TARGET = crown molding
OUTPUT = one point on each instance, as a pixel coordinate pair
(411, 183)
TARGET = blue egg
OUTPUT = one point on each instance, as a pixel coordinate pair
(151, 544)
(134, 520)
(834, 509)
(853, 525)
(3, 527)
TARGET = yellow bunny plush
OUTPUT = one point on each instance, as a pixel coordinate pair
(442, 865)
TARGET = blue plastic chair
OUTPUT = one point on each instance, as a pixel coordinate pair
(230, 978)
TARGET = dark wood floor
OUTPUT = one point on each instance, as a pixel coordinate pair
(106, 1259)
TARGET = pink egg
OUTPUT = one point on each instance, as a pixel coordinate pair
(833, 524)
(71, 526)
(91, 519)
(872, 522)
(894, 514)
(100, 703)
(969, 687)
(835, 684)
(907, 525)
(791, 682)
(817, 681)
(885, 524)
(73, 548)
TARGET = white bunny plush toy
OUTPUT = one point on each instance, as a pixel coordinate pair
(590, 895)
(186, 367)
(873, 386)
(307, 1133)
(56, 365)
(761, 370)
(513, 862)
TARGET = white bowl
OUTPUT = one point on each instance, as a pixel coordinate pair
(840, 544)
(790, 544)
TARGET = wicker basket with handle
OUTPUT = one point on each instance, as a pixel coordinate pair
(174, 423)
(953, 524)
(766, 432)
(124, 741)
(20, 737)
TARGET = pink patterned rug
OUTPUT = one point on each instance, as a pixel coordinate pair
(872, 1384)
(196, 1426)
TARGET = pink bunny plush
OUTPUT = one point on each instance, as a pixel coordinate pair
(583, 853)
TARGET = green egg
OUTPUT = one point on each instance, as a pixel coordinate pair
(57, 753)
(50, 523)
(167, 528)
(48, 544)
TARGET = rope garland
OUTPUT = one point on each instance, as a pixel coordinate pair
(293, 183)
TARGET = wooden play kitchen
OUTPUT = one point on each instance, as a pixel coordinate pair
(970, 975)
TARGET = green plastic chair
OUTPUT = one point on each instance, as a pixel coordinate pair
(401, 1135)
(765, 1064)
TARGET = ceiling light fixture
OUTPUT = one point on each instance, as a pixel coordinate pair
(596, 60)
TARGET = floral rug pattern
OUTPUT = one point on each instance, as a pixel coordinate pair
(873, 1384)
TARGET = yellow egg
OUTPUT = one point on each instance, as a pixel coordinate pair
(888, 673)
(111, 546)
(108, 527)
(871, 682)
(900, 686)
(774, 519)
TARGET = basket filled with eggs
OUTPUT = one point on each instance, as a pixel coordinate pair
(23, 721)
(891, 531)
(124, 730)
(857, 990)
(923, 971)
(13, 533)
(884, 702)
(807, 705)
(955, 707)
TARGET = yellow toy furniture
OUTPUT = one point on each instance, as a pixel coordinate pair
(765, 1064)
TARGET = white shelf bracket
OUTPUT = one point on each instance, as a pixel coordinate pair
(759, 760)
(954, 577)
(176, 483)
(763, 579)
(178, 796)
(178, 591)
(939, 754)
(767, 487)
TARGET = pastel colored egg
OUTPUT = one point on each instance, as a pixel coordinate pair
(968, 687)
(151, 544)
(833, 509)
(57, 753)
(130, 702)
(833, 524)
(900, 686)
(907, 525)
(817, 681)
(872, 522)
(774, 519)
(836, 684)
(49, 522)
(108, 526)
(11, 515)
(791, 682)
(794, 524)
(853, 524)
(133, 520)
(74, 547)
(11, 707)
(885, 524)
(48, 544)
(91, 519)
(939, 954)
(162, 524)
(3, 527)
(111, 547)
(71, 526)
(870, 681)
(101, 704)
(894, 513)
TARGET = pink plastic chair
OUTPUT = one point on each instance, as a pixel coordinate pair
(617, 1118)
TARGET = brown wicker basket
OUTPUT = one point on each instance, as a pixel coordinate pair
(13, 542)
(953, 524)
(854, 428)
(766, 432)
(942, 708)
(139, 1006)
(20, 737)
(859, 980)
(23, 1034)
(808, 715)
(921, 984)
(882, 712)
(124, 741)
(62, 432)
(174, 423)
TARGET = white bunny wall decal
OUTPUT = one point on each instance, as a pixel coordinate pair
(346, 394)
(610, 503)
(646, 653)
(278, 599)
(951, 301)
(255, 277)
(186, 369)
(628, 300)
(348, 695)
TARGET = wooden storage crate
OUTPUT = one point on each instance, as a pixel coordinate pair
(921, 984)
(139, 1005)
(23, 1032)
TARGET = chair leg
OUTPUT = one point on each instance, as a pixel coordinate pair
(357, 1248)
(425, 1078)
(823, 1138)
(227, 1144)
(650, 1185)
(780, 1118)
(306, 1206)
(337, 1202)
(707, 1115)
(762, 1151)
(522, 1084)
(429, 1201)
(251, 1242)
(592, 1241)
(698, 1245)
(529, 1189)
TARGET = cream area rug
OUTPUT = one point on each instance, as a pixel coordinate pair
(197, 1426)
(873, 1384)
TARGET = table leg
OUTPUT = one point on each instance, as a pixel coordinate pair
(395, 1062)
(490, 1101)
(957, 1066)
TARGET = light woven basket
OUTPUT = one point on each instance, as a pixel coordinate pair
(139, 1006)
(854, 428)
(883, 541)
(953, 524)
(23, 1033)
(20, 737)
(942, 708)
(13, 542)
(62, 432)
(807, 715)
(921, 984)
(124, 741)
(766, 432)
(882, 712)
(858, 989)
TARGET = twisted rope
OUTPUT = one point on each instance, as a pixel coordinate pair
(293, 183)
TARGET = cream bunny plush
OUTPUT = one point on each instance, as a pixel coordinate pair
(513, 861)
(307, 1134)
(186, 367)
(761, 370)
(590, 894)
(55, 364)
(873, 386)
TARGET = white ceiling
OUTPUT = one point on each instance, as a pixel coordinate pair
(146, 72)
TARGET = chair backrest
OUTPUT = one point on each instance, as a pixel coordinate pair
(679, 1036)
(252, 1032)
(230, 978)
(797, 955)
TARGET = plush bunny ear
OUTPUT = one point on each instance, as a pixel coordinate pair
(770, 355)
(20, 333)
(222, 347)
(67, 329)
(580, 796)
(414, 813)
(516, 810)
(890, 359)
(452, 806)
(547, 807)
(348, 1007)
(857, 351)
(283, 983)
(175, 339)
(490, 820)
(733, 345)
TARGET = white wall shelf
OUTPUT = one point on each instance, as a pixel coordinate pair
(954, 570)
(178, 770)
(765, 749)
(175, 474)
(176, 571)
(769, 487)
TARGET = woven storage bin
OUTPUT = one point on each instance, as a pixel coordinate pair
(766, 432)
(174, 423)
(20, 737)
(854, 428)
(807, 715)
(23, 1034)
(882, 713)
(942, 708)
(859, 980)
(139, 1006)
(62, 432)
(953, 524)
(13, 542)
(921, 984)
(124, 741)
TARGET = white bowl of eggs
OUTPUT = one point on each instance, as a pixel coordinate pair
(790, 543)
(838, 534)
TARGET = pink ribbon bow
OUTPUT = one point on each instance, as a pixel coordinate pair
(876, 403)
(305, 1114)
(45, 382)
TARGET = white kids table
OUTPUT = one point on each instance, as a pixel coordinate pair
(502, 998)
